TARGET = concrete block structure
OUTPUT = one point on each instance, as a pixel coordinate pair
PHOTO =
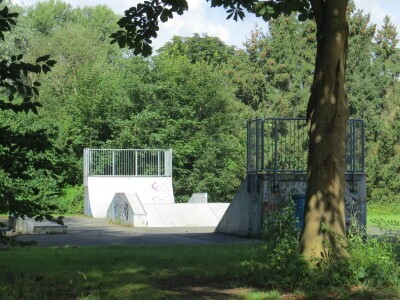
(276, 164)
(30, 226)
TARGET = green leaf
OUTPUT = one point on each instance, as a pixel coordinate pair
(362, 273)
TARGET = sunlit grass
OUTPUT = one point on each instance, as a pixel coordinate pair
(384, 216)
(270, 295)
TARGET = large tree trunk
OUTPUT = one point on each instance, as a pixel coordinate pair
(327, 117)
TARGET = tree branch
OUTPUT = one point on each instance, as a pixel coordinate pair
(318, 11)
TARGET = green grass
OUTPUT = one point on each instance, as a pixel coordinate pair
(120, 272)
(158, 272)
(385, 216)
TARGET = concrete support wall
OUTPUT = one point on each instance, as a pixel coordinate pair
(260, 194)
(280, 191)
(244, 214)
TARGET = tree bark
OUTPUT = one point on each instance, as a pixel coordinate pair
(327, 118)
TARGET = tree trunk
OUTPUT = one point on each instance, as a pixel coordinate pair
(327, 118)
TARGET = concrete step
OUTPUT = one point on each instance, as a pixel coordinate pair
(30, 226)
(50, 228)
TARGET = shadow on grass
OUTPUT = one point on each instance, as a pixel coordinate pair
(170, 272)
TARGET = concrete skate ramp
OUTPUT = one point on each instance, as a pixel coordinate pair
(127, 210)
(244, 214)
(184, 214)
(101, 190)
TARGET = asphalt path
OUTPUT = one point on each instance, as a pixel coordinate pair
(84, 231)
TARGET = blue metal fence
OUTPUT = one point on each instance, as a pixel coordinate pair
(280, 145)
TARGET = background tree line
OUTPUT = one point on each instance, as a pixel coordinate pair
(193, 96)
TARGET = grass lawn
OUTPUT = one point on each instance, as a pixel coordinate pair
(160, 272)
(389, 222)
(384, 216)
(163, 272)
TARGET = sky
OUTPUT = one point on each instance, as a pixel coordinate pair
(202, 19)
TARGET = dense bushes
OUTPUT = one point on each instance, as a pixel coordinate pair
(371, 264)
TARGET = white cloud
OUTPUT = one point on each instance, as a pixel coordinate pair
(174, 26)
(219, 31)
(378, 9)
(196, 5)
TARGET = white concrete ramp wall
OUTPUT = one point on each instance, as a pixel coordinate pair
(184, 214)
(127, 209)
(244, 214)
(100, 191)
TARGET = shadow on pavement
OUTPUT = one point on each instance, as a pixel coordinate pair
(84, 231)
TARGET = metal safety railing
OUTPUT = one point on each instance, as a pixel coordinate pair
(127, 162)
(280, 145)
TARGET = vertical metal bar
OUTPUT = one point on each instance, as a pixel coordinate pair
(257, 146)
(165, 162)
(262, 145)
(362, 147)
(276, 149)
(248, 147)
(140, 166)
(158, 162)
(136, 170)
(352, 153)
(85, 170)
(168, 161)
(90, 162)
(113, 162)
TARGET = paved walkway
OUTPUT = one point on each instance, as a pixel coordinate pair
(83, 231)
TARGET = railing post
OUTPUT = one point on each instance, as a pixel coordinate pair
(362, 146)
(113, 162)
(158, 162)
(136, 163)
(90, 162)
(262, 144)
(168, 162)
(248, 147)
(85, 166)
(257, 145)
(353, 153)
(276, 151)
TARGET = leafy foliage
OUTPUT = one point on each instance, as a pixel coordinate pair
(371, 264)
(199, 48)
(21, 149)
(140, 23)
